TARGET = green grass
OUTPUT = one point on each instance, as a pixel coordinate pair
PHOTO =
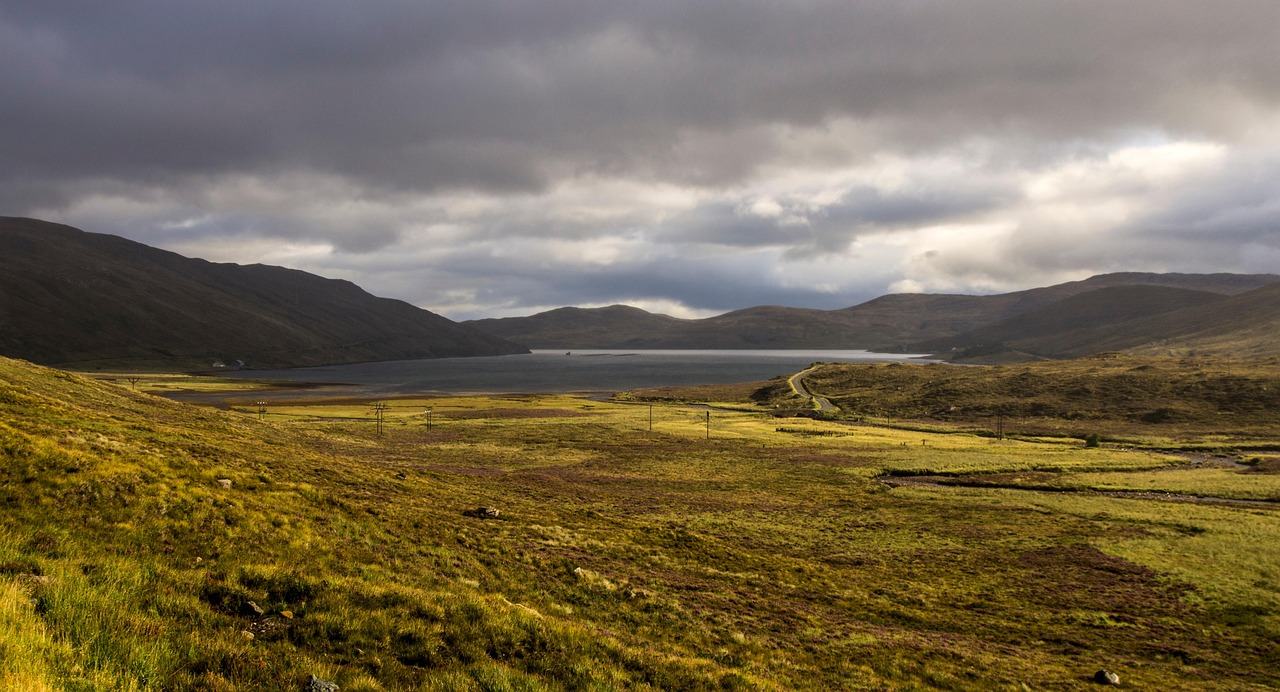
(766, 557)
(1137, 400)
(1207, 482)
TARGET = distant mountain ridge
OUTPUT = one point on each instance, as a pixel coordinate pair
(961, 325)
(73, 298)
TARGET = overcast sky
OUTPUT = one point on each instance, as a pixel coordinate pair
(484, 158)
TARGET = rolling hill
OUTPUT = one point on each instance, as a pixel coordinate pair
(1071, 327)
(573, 327)
(1140, 319)
(899, 322)
(80, 299)
(1245, 325)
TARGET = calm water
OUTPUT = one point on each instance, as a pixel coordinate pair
(556, 371)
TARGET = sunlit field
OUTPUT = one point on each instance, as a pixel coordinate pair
(668, 540)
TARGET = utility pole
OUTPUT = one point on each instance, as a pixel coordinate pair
(378, 408)
(708, 425)
(428, 418)
(650, 417)
(1000, 426)
(262, 409)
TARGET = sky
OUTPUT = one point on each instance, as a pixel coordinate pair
(485, 158)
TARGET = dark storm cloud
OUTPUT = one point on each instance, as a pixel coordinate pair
(408, 91)
(353, 126)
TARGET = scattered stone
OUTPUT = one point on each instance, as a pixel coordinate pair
(286, 614)
(484, 513)
(225, 483)
(1106, 677)
(251, 608)
(266, 626)
(315, 684)
(246, 634)
(401, 475)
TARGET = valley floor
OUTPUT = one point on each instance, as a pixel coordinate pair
(632, 544)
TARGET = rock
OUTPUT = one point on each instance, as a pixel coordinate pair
(286, 614)
(1106, 677)
(315, 684)
(225, 483)
(251, 608)
(484, 513)
(247, 634)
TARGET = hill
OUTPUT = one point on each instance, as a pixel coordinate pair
(1244, 325)
(1070, 327)
(80, 299)
(1144, 320)
(572, 327)
(1127, 396)
(899, 322)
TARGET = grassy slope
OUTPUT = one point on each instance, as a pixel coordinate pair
(767, 557)
(1068, 327)
(1244, 325)
(1125, 397)
(1141, 321)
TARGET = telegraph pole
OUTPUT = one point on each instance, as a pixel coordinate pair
(262, 409)
(378, 408)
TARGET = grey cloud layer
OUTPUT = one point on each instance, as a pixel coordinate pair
(359, 125)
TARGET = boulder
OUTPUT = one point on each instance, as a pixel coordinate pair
(1106, 677)
(484, 513)
(315, 684)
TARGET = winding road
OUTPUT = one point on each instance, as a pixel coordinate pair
(797, 385)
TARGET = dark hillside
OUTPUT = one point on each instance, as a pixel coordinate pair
(1245, 325)
(83, 299)
(922, 322)
(608, 327)
(1069, 328)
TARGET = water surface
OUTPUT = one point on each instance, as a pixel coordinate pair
(548, 371)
